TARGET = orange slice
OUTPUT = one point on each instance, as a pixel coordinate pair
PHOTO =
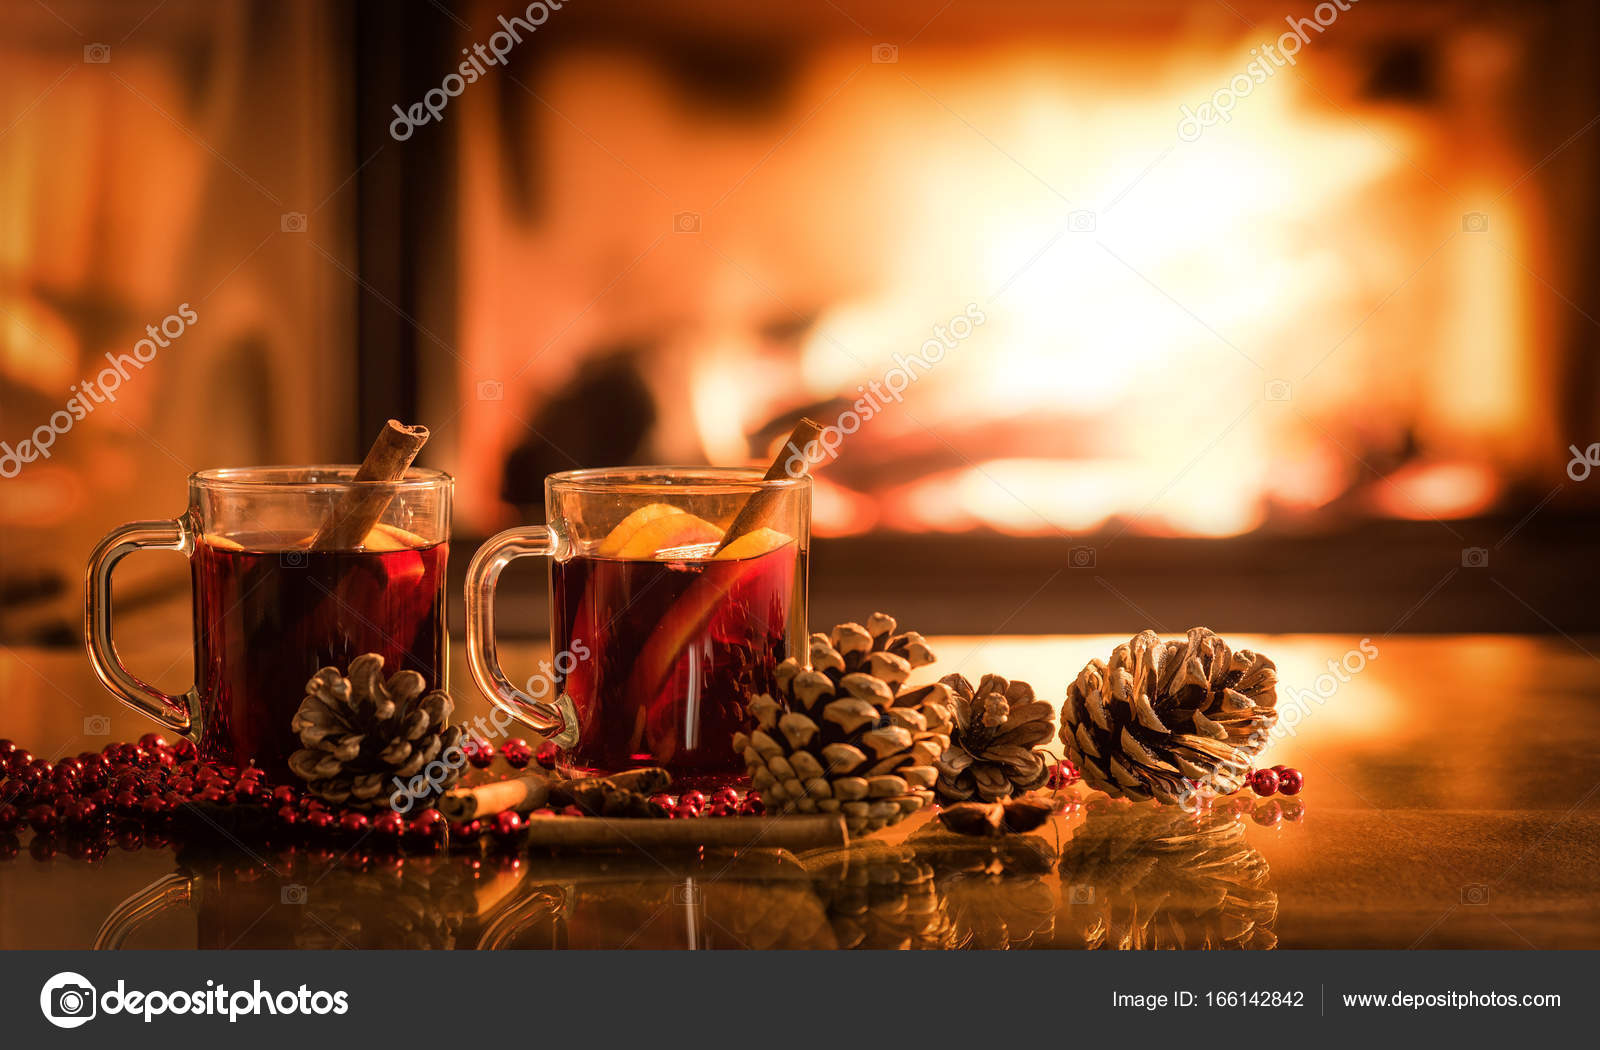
(619, 536)
(383, 537)
(755, 543)
(671, 537)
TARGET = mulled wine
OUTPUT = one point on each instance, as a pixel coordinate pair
(267, 618)
(662, 653)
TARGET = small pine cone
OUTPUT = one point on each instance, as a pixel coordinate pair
(841, 737)
(1165, 719)
(994, 752)
(360, 732)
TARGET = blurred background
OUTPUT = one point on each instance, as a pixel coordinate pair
(1323, 362)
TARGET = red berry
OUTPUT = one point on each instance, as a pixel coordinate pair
(17, 761)
(429, 824)
(1290, 781)
(6, 748)
(697, 799)
(80, 812)
(1267, 814)
(478, 752)
(547, 754)
(664, 801)
(390, 826)
(353, 823)
(471, 831)
(571, 811)
(518, 752)
(318, 820)
(1265, 782)
(184, 750)
(288, 816)
(726, 797)
(10, 816)
(151, 741)
(684, 810)
(154, 806)
(753, 806)
(181, 785)
(126, 803)
(507, 824)
(43, 819)
(249, 791)
(283, 795)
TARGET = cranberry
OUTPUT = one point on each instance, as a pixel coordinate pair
(1290, 781)
(96, 767)
(10, 816)
(725, 798)
(43, 818)
(1264, 782)
(39, 769)
(6, 748)
(685, 810)
(249, 791)
(547, 754)
(151, 741)
(352, 823)
(666, 802)
(752, 806)
(125, 802)
(696, 799)
(181, 785)
(17, 761)
(390, 826)
(1267, 814)
(1062, 774)
(471, 831)
(288, 816)
(154, 806)
(73, 767)
(184, 750)
(318, 820)
(43, 847)
(130, 838)
(518, 752)
(283, 795)
(507, 825)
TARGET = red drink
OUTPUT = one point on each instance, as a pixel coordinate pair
(267, 619)
(666, 654)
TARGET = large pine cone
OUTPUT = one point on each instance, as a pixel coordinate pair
(1166, 719)
(992, 750)
(362, 731)
(840, 736)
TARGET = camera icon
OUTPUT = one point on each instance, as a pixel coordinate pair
(1474, 222)
(293, 893)
(687, 895)
(1080, 893)
(686, 222)
(1081, 557)
(1279, 390)
(97, 54)
(1474, 557)
(292, 559)
(293, 222)
(68, 1000)
(1475, 895)
(97, 725)
(885, 54)
(491, 390)
(1081, 221)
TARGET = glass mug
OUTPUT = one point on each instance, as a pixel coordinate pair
(270, 610)
(658, 637)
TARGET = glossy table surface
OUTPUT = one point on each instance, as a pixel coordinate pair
(1452, 800)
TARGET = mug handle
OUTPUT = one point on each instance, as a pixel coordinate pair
(557, 721)
(180, 714)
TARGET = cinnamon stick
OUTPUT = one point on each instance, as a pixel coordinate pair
(757, 508)
(523, 794)
(792, 833)
(362, 505)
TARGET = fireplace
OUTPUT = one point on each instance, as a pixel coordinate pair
(1251, 312)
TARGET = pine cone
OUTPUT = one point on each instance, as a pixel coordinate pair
(1164, 719)
(992, 751)
(840, 737)
(881, 897)
(360, 732)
